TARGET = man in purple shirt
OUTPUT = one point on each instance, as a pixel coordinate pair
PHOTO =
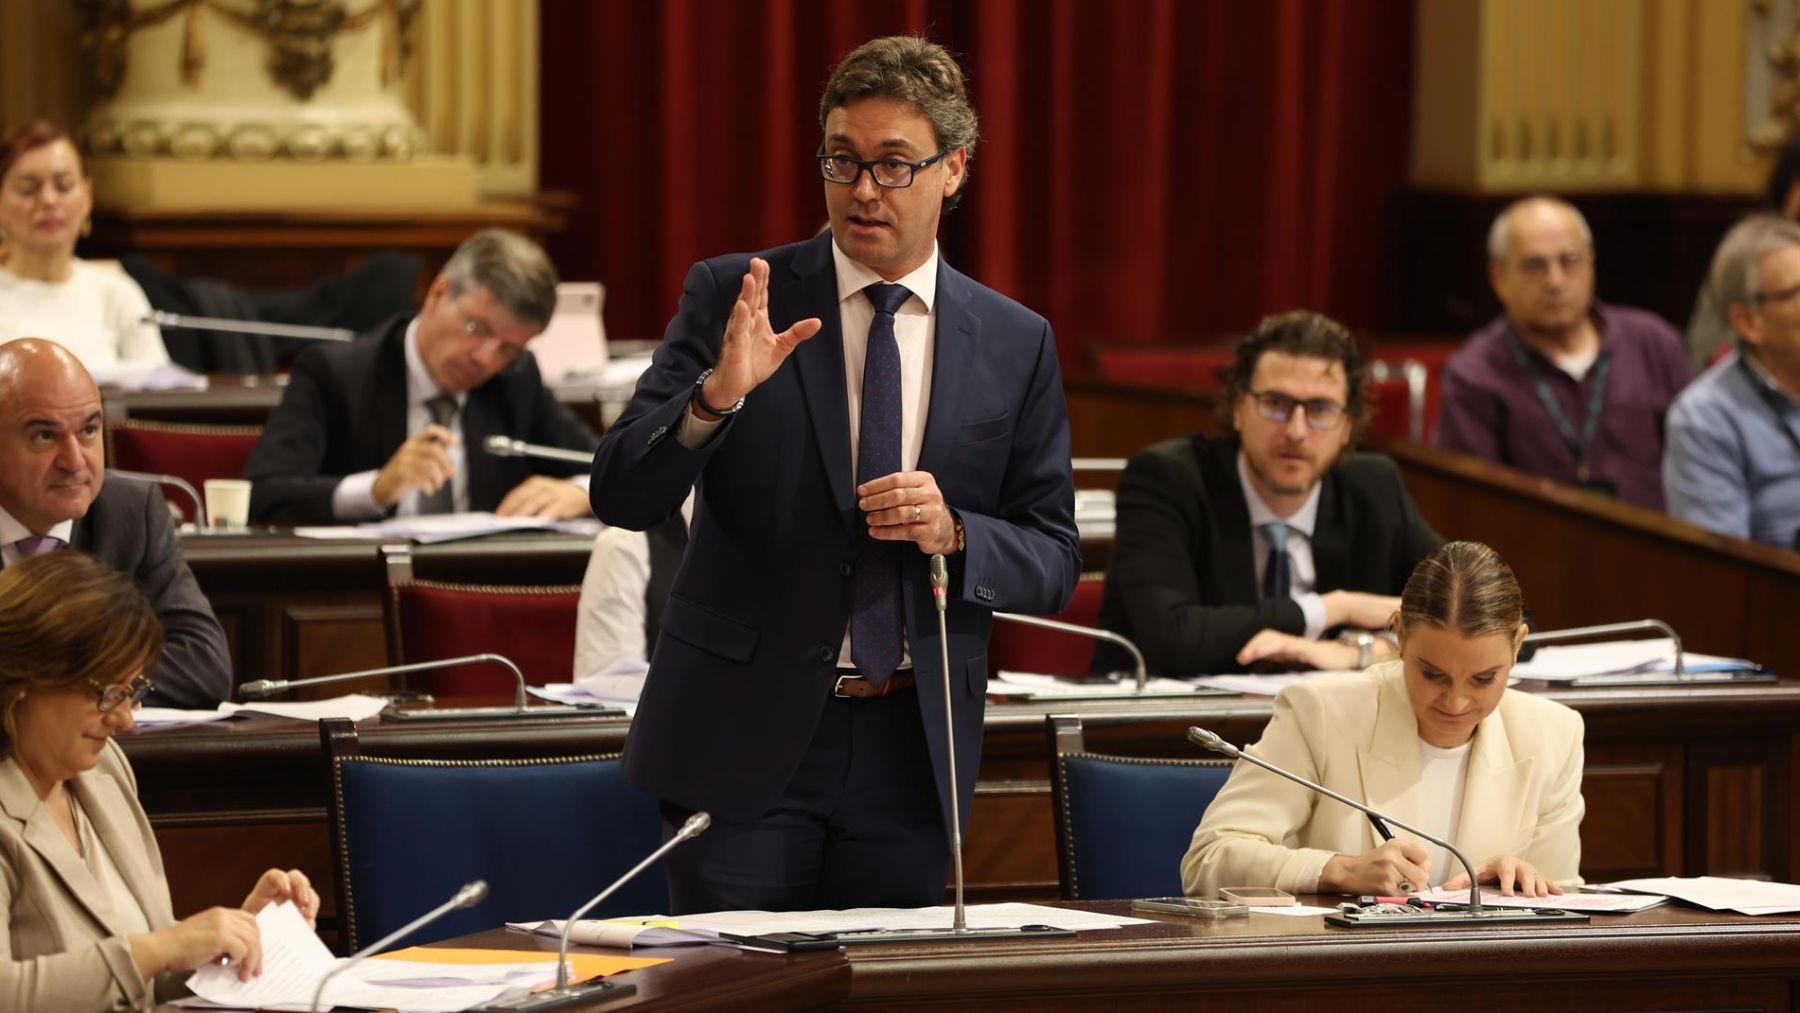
(1561, 385)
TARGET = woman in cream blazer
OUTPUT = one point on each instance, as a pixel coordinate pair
(88, 920)
(1369, 735)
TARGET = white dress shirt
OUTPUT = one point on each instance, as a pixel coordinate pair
(1303, 579)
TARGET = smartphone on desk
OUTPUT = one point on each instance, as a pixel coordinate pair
(1192, 907)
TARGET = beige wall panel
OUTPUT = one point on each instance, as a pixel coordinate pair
(1721, 158)
(475, 88)
(1447, 134)
(41, 73)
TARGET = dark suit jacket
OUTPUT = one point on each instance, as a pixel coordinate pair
(128, 528)
(344, 412)
(748, 648)
(1182, 585)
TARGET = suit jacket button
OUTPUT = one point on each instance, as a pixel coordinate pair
(846, 569)
(827, 653)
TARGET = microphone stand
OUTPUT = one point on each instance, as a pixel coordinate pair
(1474, 916)
(253, 327)
(469, 896)
(1141, 692)
(565, 994)
(1681, 675)
(269, 687)
(959, 928)
(173, 480)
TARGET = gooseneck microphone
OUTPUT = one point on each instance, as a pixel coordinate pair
(254, 327)
(470, 895)
(1141, 673)
(269, 687)
(1208, 740)
(563, 994)
(506, 446)
(177, 481)
(940, 591)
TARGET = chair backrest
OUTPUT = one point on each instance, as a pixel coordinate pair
(1123, 822)
(191, 452)
(546, 835)
(534, 626)
(1016, 648)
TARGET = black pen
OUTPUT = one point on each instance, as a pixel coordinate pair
(1380, 827)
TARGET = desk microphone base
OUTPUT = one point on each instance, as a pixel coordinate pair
(495, 713)
(1420, 918)
(1744, 677)
(561, 998)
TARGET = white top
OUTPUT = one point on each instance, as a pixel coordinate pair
(610, 625)
(915, 331)
(97, 315)
(1443, 776)
(1303, 578)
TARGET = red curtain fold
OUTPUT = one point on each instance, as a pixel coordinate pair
(1150, 171)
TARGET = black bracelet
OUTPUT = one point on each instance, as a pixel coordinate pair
(700, 399)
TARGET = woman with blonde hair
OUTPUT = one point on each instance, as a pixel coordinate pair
(88, 921)
(1433, 738)
(46, 291)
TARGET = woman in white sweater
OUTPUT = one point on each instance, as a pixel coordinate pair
(45, 290)
(1434, 738)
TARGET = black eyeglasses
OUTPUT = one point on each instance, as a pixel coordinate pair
(113, 694)
(891, 173)
(1321, 414)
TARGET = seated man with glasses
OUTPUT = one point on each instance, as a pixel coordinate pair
(395, 421)
(1247, 550)
(1733, 464)
(1560, 384)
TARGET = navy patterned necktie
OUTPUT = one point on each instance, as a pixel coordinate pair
(1276, 583)
(442, 410)
(875, 612)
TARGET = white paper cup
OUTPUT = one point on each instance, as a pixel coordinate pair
(227, 503)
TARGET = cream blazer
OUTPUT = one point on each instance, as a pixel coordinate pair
(1356, 734)
(64, 948)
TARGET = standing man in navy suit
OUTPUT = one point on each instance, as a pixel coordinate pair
(846, 407)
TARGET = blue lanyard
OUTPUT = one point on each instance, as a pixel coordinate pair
(1578, 446)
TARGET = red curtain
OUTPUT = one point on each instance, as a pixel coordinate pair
(1150, 171)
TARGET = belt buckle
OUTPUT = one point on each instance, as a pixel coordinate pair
(837, 688)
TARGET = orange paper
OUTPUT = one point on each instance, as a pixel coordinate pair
(582, 966)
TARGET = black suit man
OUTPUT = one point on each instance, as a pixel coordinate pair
(796, 691)
(1198, 580)
(394, 421)
(55, 493)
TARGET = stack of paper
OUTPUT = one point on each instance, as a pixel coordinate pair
(1620, 657)
(354, 706)
(1024, 683)
(1745, 896)
(1593, 903)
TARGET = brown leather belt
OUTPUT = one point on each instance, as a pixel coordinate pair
(855, 687)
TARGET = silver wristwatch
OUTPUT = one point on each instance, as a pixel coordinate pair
(1365, 646)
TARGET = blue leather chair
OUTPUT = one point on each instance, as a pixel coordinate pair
(1123, 822)
(546, 835)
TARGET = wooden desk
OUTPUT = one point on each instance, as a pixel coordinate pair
(1668, 958)
(1678, 783)
(297, 607)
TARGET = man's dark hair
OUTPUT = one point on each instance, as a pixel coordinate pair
(909, 69)
(1306, 335)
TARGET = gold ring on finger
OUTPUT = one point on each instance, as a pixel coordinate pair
(918, 513)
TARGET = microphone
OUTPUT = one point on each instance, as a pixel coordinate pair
(175, 480)
(256, 327)
(269, 687)
(506, 446)
(1137, 656)
(1208, 740)
(565, 994)
(470, 895)
(940, 589)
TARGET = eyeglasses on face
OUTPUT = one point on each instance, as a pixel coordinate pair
(113, 694)
(1782, 295)
(1569, 260)
(889, 173)
(482, 332)
(1321, 414)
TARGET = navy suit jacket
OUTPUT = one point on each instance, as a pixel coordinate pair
(344, 411)
(747, 653)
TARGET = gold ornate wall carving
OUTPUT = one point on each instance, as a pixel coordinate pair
(1572, 95)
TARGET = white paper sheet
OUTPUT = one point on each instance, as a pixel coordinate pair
(294, 961)
(1745, 896)
(1594, 903)
(1614, 657)
(570, 693)
(622, 933)
(1294, 911)
(1257, 685)
(1022, 683)
(756, 923)
(152, 717)
(430, 528)
(354, 706)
